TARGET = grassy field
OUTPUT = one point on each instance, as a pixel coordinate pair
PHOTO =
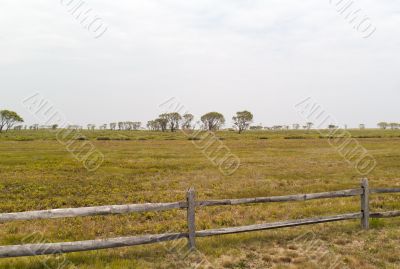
(36, 172)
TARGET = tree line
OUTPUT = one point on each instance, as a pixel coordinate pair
(386, 125)
(211, 121)
(173, 121)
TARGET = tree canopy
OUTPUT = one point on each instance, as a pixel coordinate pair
(213, 121)
(8, 118)
(173, 120)
(162, 121)
(187, 121)
(242, 120)
(383, 125)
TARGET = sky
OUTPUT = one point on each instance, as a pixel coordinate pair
(264, 56)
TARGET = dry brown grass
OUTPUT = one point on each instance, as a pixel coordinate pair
(40, 174)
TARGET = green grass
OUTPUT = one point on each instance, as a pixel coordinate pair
(36, 172)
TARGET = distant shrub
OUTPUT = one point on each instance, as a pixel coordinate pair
(143, 138)
(103, 138)
(295, 137)
(361, 136)
(81, 138)
(24, 139)
(121, 138)
(263, 137)
(368, 136)
(193, 138)
(256, 128)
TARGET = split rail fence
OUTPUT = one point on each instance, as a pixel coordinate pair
(190, 205)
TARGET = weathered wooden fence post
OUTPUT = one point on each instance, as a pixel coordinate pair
(365, 204)
(191, 202)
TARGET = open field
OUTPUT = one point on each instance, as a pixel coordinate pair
(36, 172)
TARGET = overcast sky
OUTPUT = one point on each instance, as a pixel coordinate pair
(264, 56)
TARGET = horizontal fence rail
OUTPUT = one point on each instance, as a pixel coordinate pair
(287, 198)
(90, 211)
(137, 208)
(58, 248)
(190, 205)
(385, 190)
(276, 225)
(54, 248)
(389, 214)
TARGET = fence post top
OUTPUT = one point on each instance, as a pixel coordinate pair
(190, 192)
(364, 182)
(191, 189)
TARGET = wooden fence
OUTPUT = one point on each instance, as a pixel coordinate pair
(190, 205)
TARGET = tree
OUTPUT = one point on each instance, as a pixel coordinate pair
(296, 126)
(256, 127)
(120, 125)
(163, 121)
(91, 126)
(54, 126)
(332, 126)
(187, 121)
(242, 120)
(309, 125)
(127, 125)
(74, 127)
(8, 119)
(153, 125)
(34, 127)
(212, 121)
(173, 120)
(136, 125)
(132, 125)
(113, 125)
(394, 125)
(383, 125)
